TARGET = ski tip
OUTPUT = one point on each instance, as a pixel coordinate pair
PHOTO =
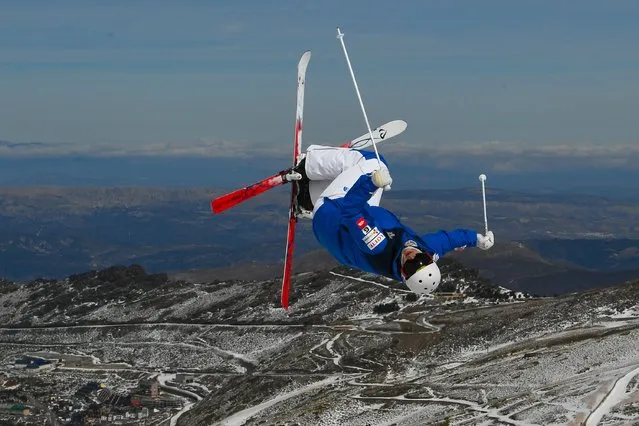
(302, 64)
(401, 125)
(216, 207)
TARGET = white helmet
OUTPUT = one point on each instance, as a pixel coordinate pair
(425, 280)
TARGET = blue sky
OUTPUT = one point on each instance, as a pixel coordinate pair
(209, 76)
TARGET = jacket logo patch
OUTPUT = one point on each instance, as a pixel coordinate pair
(376, 241)
(373, 238)
(361, 223)
(370, 235)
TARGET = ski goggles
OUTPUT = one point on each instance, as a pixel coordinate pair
(413, 265)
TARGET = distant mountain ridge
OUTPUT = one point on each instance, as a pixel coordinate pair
(92, 296)
(517, 265)
(53, 232)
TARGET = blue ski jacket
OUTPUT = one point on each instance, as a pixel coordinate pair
(371, 238)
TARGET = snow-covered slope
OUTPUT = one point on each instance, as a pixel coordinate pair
(353, 349)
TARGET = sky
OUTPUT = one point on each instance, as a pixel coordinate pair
(218, 77)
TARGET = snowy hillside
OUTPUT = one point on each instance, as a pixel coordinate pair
(353, 349)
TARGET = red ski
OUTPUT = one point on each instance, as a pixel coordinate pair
(234, 198)
(225, 202)
(297, 150)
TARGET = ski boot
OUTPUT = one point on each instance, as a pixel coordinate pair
(303, 202)
(296, 173)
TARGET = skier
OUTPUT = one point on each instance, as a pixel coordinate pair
(340, 189)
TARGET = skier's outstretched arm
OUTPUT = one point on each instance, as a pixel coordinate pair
(445, 241)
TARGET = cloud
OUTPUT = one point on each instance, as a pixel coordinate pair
(11, 149)
(20, 145)
(204, 148)
(491, 156)
(513, 157)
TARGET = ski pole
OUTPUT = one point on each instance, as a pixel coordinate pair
(340, 36)
(482, 178)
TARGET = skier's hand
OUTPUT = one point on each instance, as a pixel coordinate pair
(485, 242)
(382, 178)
